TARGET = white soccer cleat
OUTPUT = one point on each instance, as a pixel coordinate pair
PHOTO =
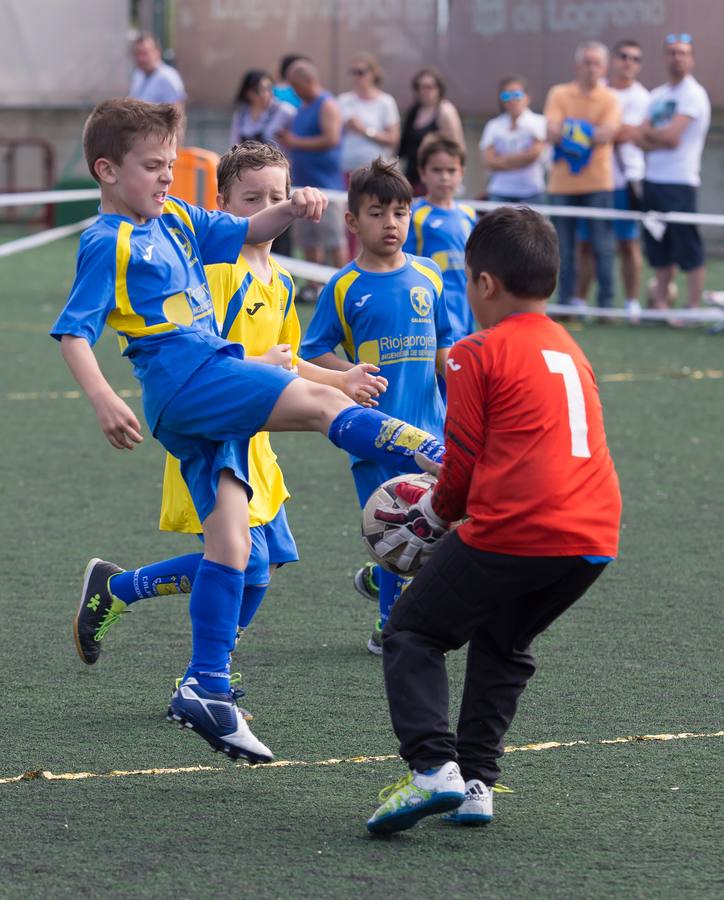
(476, 808)
(219, 721)
(416, 795)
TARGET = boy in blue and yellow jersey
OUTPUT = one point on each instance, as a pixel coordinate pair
(387, 308)
(141, 269)
(440, 225)
(254, 306)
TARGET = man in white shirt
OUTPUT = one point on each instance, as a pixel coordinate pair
(628, 175)
(512, 147)
(673, 137)
(152, 79)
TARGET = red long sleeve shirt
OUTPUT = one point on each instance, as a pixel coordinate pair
(526, 456)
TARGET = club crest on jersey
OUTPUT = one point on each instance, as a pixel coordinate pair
(421, 300)
(185, 244)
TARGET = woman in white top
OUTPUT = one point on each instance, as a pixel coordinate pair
(370, 116)
(258, 114)
(513, 147)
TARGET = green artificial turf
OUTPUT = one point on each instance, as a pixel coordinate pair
(640, 654)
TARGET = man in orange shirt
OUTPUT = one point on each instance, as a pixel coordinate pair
(583, 117)
(527, 463)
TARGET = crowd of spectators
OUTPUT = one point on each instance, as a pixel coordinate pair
(601, 141)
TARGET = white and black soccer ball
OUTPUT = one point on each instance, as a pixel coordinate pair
(373, 531)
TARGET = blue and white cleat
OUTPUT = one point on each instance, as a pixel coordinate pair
(219, 721)
(416, 795)
(476, 808)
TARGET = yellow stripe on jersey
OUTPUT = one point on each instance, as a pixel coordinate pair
(468, 210)
(340, 293)
(170, 207)
(418, 220)
(428, 273)
(124, 318)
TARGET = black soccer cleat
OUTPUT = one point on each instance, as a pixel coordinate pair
(98, 609)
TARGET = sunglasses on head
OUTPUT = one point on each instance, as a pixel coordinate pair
(630, 57)
(679, 38)
(359, 70)
(505, 96)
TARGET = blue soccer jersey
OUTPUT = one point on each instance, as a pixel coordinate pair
(395, 320)
(148, 283)
(441, 235)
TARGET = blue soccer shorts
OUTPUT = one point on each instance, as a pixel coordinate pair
(208, 422)
(271, 544)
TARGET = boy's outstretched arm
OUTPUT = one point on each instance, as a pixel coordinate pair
(305, 203)
(116, 418)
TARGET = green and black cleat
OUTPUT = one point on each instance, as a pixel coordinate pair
(98, 609)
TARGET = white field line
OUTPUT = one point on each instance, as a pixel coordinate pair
(44, 775)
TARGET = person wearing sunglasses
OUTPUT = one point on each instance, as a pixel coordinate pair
(370, 116)
(673, 136)
(583, 117)
(628, 174)
(513, 147)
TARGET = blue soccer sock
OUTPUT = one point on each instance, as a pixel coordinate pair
(214, 610)
(369, 434)
(390, 589)
(250, 603)
(159, 579)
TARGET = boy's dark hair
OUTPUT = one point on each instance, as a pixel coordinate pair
(248, 155)
(438, 143)
(519, 247)
(381, 179)
(113, 125)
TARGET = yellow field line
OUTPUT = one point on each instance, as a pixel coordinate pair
(43, 775)
(64, 395)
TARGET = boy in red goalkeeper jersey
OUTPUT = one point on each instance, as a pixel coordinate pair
(527, 465)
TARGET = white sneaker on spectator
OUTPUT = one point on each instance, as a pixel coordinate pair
(633, 309)
(476, 808)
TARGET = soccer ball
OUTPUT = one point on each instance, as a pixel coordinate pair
(373, 530)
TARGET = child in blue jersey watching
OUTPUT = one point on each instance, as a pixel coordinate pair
(141, 269)
(386, 308)
(441, 226)
(254, 305)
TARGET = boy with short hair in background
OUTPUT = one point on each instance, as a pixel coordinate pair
(386, 307)
(440, 225)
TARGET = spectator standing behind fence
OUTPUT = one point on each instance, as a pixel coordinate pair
(154, 80)
(628, 175)
(282, 90)
(258, 115)
(583, 117)
(673, 137)
(370, 117)
(513, 147)
(431, 112)
(371, 121)
(314, 141)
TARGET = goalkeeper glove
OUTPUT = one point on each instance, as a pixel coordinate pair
(420, 528)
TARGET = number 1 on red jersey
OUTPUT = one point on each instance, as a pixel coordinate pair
(562, 364)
